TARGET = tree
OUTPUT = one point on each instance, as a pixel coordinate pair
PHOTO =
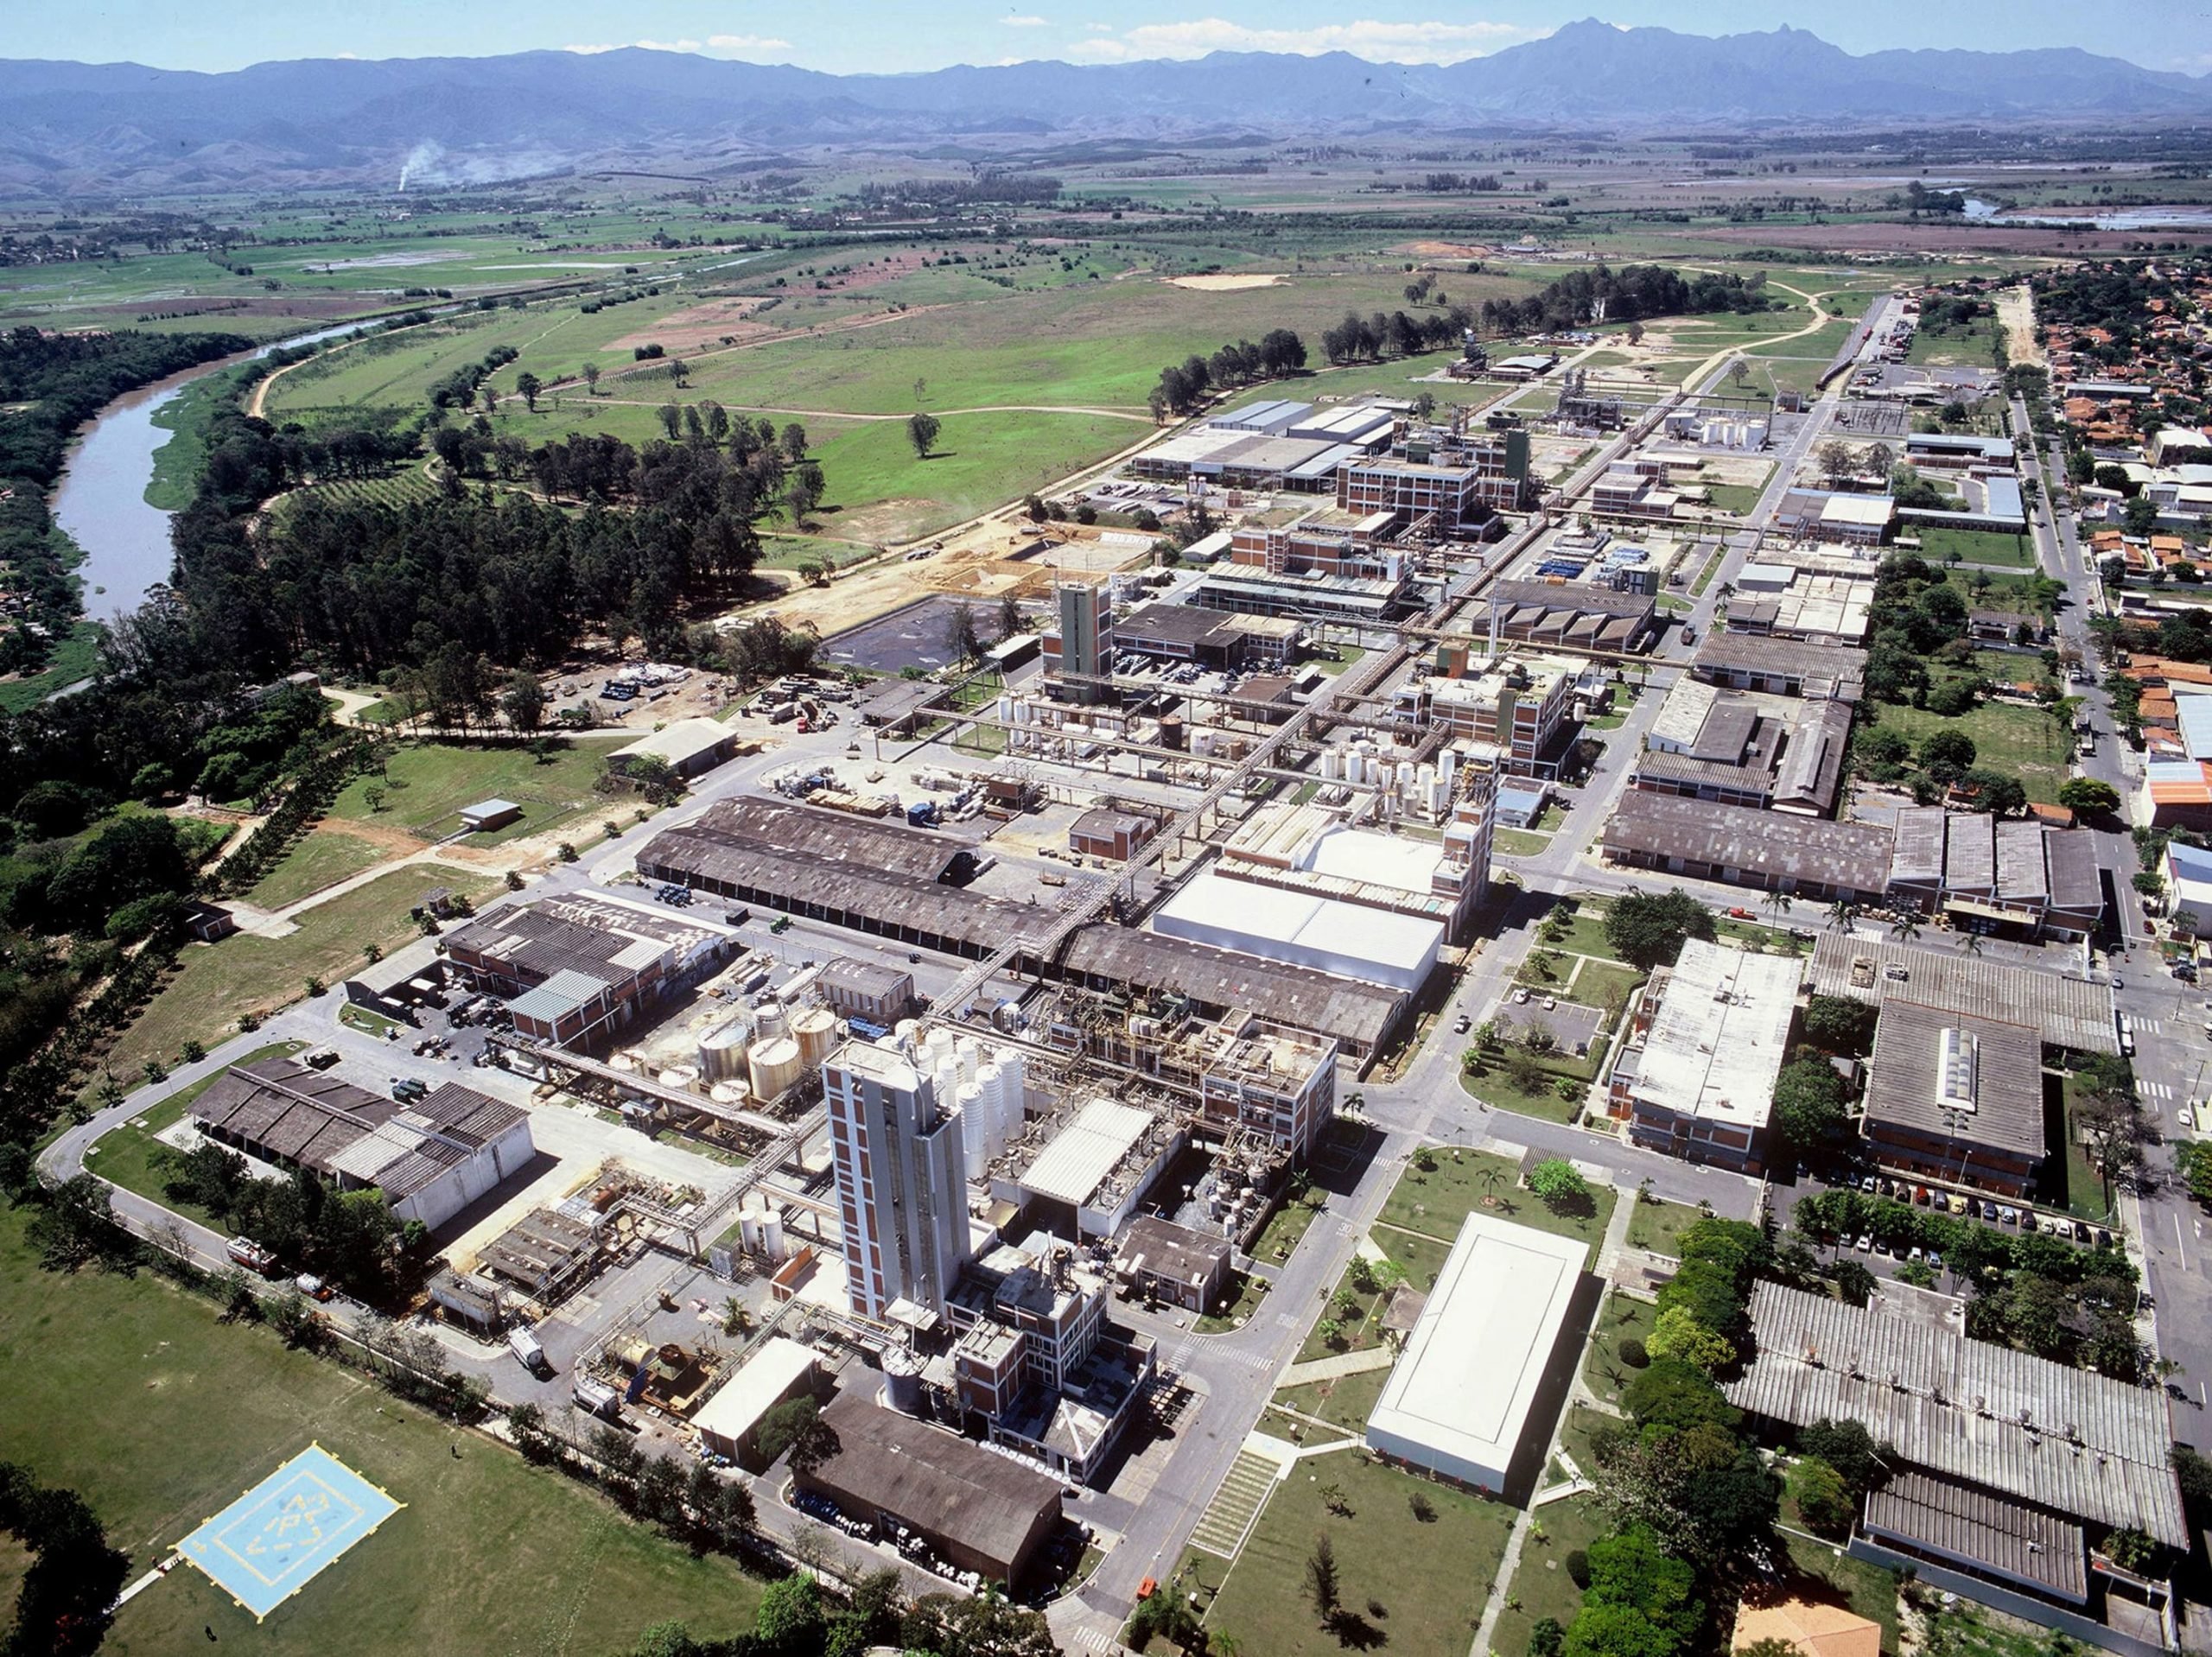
(1822, 1498)
(922, 431)
(2139, 516)
(1678, 1396)
(1678, 1334)
(1650, 929)
(523, 701)
(1837, 1024)
(1947, 755)
(796, 1426)
(1808, 1104)
(1556, 1183)
(962, 641)
(529, 386)
(1323, 1587)
(1633, 1569)
(1838, 462)
(1848, 1448)
(591, 379)
(2088, 795)
(66, 1595)
(790, 1622)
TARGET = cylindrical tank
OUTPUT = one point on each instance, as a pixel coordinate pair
(902, 1381)
(1005, 710)
(678, 1075)
(729, 1093)
(906, 1030)
(623, 1062)
(1171, 731)
(1447, 765)
(1333, 764)
(1405, 777)
(721, 1050)
(970, 1052)
(772, 1022)
(748, 1232)
(773, 1066)
(990, 1089)
(772, 1236)
(1424, 782)
(975, 1132)
(1017, 1096)
(815, 1030)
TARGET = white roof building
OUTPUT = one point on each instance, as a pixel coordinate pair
(1458, 1399)
(1704, 1078)
(726, 1421)
(1299, 929)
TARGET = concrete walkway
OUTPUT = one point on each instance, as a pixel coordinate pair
(1336, 1364)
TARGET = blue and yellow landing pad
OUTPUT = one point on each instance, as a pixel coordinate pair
(271, 1543)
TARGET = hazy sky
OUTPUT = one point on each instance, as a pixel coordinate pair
(845, 35)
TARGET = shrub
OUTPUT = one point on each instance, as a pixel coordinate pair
(1577, 1567)
(1631, 1352)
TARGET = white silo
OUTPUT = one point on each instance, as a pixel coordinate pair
(1005, 710)
(990, 1090)
(774, 1067)
(773, 1021)
(975, 1140)
(1333, 764)
(939, 1046)
(815, 1030)
(1405, 777)
(970, 1052)
(721, 1050)
(1017, 1095)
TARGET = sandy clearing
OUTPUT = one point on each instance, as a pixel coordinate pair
(695, 325)
(2016, 309)
(1227, 283)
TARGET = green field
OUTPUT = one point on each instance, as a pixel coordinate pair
(1435, 1203)
(1976, 546)
(1429, 1578)
(2022, 742)
(1541, 1583)
(426, 785)
(1659, 1226)
(322, 859)
(178, 463)
(129, 1392)
(75, 658)
(217, 982)
(1624, 1317)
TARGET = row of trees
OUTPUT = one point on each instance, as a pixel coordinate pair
(1183, 386)
(55, 382)
(1628, 295)
(67, 1594)
(1373, 337)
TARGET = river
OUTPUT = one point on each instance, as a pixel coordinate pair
(101, 499)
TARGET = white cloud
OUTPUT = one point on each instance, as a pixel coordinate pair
(1100, 28)
(713, 46)
(1024, 22)
(1380, 42)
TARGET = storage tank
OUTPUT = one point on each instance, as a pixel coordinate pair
(906, 1030)
(721, 1050)
(733, 1094)
(772, 1236)
(1405, 777)
(679, 1076)
(774, 1067)
(772, 1022)
(815, 1029)
(1017, 1095)
(1333, 764)
(941, 1049)
(1005, 710)
(975, 1132)
(902, 1381)
(623, 1062)
(991, 1088)
(970, 1052)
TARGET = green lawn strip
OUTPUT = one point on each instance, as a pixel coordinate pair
(1283, 1231)
(77, 657)
(1519, 842)
(1712, 568)
(1435, 1201)
(1494, 1087)
(322, 859)
(1251, 1291)
(1659, 1226)
(1586, 932)
(2021, 742)
(216, 983)
(1735, 498)
(1345, 1400)
(1541, 1587)
(426, 783)
(1624, 1317)
(1974, 546)
(127, 1391)
(1578, 1432)
(1872, 1593)
(1605, 984)
(1431, 1579)
(2085, 1189)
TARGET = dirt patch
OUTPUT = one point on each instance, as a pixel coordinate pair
(2017, 311)
(1450, 249)
(1227, 284)
(713, 322)
(398, 842)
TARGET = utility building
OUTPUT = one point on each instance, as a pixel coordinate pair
(901, 1191)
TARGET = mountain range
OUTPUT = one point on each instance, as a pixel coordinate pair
(70, 129)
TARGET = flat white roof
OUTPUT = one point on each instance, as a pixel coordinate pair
(1297, 927)
(1873, 509)
(1721, 1033)
(1080, 1156)
(1681, 716)
(757, 1388)
(489, 809)
(1459, 1395)
(1379, 860)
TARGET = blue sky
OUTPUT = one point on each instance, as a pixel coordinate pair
(890, 36)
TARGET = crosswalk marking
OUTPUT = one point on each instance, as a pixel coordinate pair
(1228, 1518)
(1097, 1640)
(2157, 1090)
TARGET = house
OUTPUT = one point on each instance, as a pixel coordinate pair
(488, 813)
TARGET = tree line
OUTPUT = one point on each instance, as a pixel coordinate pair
(1183, 386)
(1628, 295)
(63, 380)
(1373, 337)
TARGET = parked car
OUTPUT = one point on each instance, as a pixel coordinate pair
(1866, 1242)
(1461, 1025)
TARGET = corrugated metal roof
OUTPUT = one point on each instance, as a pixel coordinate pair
(1853, 856)
(1999, 1536)
(2080, 1444)
(2067, 1012)
(2007, 1097)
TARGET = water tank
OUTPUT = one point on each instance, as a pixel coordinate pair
(773, 1067)
(942, 1050)
(679, 1076)
(815, 1029)
(772, 1236)
(902, 1381)
(988, 1121)
(1405, 777)
(976, 1144)
(721, 1050)
(734, 1093)
(772, 1022)
(1017, 1093)
(1005, 710)
(1333, 764)
(970, 1052)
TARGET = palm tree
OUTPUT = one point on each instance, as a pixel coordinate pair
(1841, 914)
(1974, 943)
(1905, 928)
(1779, 902)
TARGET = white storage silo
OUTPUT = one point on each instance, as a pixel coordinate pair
(772, 1236)
(1333, 764)
(970, 1052)
(678, 1075)
(991, 1088)
(770, 1022)
(1011, 1064)
(975, 1138)
(774, 1067)
(815, 1030)
(1405, 777)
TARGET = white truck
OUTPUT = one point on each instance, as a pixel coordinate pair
(597, 1398)
(523, 1342)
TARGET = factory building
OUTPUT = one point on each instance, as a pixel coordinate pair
(1805, 857)
(901, 1188)
(1298, 929)
(1450, 478)
(1313, 848)
(1696, 1078)
(728, 1423)
(1520, 704)
(1079, 653)
(1172, 1264)
(430, 1158)
(1459, 1398)
(867, 990)
(1783, 667)
(1957, 1098)
(1570, 616)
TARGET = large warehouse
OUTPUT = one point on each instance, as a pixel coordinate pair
(1459, 1400)
(1301, 929)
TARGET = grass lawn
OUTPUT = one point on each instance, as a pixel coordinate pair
(1251, 1290)
(1586, 932)
(1284, 1230)
(1540, 1582)
(1872, 1592)
(1435, 1201)
(2084, 1195)
(127, 1391)
(217, 982)
(1347, 655)
(429, 782)
(1347, 1400)
(322, 859)
(1495, 1088)
(1735, 498)
(1578, 1431)
(1604, 984)
(1519, 842)
(1659, 1226)
(1431, 1579)
(1624, 1316)
(2021, 742)
(1712, 568)
(1976, 546)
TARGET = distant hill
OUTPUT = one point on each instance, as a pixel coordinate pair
(72, 128)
